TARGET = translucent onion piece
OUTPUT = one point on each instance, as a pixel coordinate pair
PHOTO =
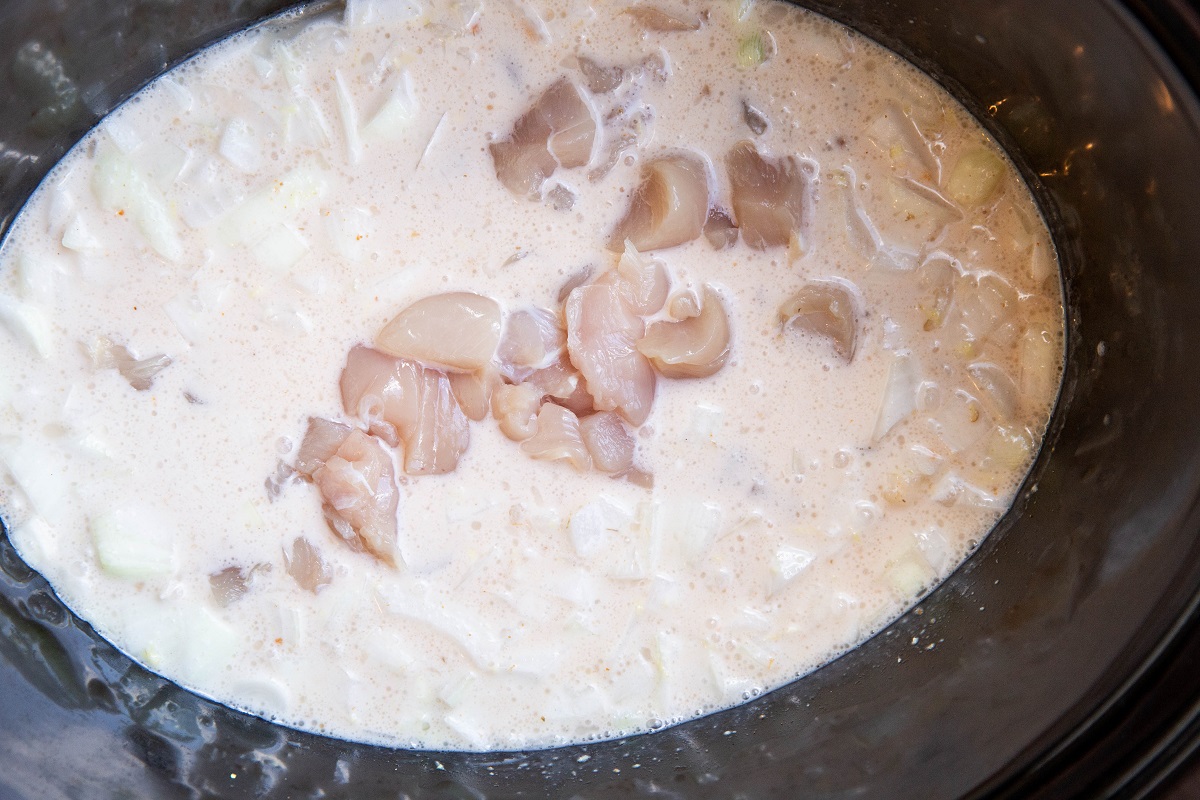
(937, 277)
(358, 485)
(559, 130)
(515, 409)
(558, 438)
(975, 177)
(829, 309)
(996, 389)
(473, 391)
(608, 440)
(533, 338)
(643, 281)
(602, 333)
(720, 230)
(668, 207)
(458, 331)
(899, 396)
(692, 348)
(305, 565)
(139, 372)
(650, 18)
(769, 196)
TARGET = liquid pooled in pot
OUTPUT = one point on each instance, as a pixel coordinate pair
(501, 375)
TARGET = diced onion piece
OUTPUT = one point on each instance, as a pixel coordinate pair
(608, 440)
(692, 348)
(457, 331)
(937, 278)
(997, 390)
(651, 18)
(515, 409)
(397, 113)
(644, 281)
(960, 422)
(602, 334)
(473, 391)
(28, 323)
(668, 207)
(1040, 359)
(120, 186)
(911, 575)
(358, 486)
(559, 130)
(899, 396)
(757, 48)
(975, 177)
(829, 309)
(305, 565)
(558, 438)
(788, 562)
(770, 196)
(132, 545)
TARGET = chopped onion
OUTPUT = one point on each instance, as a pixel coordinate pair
(133, 544)
(120, 186)
(899, 395)
(997, 390)
(28, 323)
(975, 177)
(240, 146)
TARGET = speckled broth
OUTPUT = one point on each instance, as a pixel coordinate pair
(262, 209)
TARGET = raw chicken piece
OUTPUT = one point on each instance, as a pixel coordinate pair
(473, 390)
(321, 442)
(558, 438)
(515, 409)
(457, 331)
(562, 384)
(650, 18)
(643, 281)
(695, 347)
(602, 334)
(358, 486)
(305, 565)
(140, 373)
(720, 230)
(533, 338)
(608, 440)
(669, 206)
(829, 309)
(559, 130)
(415, 400)
(769, 196)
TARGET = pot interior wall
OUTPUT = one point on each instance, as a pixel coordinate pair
(972, 692)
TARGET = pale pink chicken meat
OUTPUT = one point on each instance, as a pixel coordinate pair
(695, 347)
(608, 441)
(306, 566)
(563, 385)
(659, 20)
(770, 196)
(602, 335)
(357, 483)
(829, 309)
(668, 207)
(416, 400)
(533, 338)
(515, 409)
(558, 438)
(473, 391)
(559, 130)
(457, 331)
(643, 281)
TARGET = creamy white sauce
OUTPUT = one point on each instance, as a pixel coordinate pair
(265, 207)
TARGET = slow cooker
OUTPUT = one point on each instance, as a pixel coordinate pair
(1061, 661)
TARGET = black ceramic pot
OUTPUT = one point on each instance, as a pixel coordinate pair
(1067, 657)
